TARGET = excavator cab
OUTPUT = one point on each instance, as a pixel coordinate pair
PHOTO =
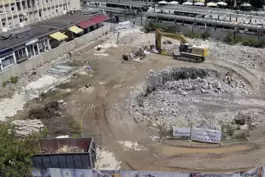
(185, 47)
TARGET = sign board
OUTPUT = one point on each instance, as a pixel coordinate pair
(206, 135)
(181, 132)
(123, 25)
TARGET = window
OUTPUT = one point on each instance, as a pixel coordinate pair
(40, 14)
(18, 6)
(12, 8)
(7, 61)
(20, 20)
(56, 10)
(28, 2)
(23, 4)
(25, 19)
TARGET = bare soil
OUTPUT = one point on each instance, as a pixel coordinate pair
(101, 115)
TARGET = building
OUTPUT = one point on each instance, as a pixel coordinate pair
(20, 13)
(25, 43)
(76, 153)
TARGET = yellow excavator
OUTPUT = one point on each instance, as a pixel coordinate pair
(187, 51)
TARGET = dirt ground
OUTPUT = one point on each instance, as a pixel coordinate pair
(96, 111)
(101, 112)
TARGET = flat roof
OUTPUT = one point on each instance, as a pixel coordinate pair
(63, 145)
(40, 29)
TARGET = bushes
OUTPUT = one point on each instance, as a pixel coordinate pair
(205, 34)
(152, 26)
(232, 39)
(192, 35)
(12, 80)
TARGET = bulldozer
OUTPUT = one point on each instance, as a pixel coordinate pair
(187, 51)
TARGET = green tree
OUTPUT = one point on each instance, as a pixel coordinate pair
(15, 153)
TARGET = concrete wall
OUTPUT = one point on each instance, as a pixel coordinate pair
(62, 50)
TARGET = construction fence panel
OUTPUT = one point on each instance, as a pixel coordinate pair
(181, 132)
(206, 135)
(64, 172)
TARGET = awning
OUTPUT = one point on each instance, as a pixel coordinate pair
(58, 36)
(76, 30)
(85, 24)
(99, 19)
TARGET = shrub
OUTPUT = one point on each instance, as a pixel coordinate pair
(205, 34)
(13, 79)
(230, 38)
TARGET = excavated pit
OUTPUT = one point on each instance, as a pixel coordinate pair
(178, 96)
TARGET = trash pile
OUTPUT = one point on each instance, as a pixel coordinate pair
(25, 127)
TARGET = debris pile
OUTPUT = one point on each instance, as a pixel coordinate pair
(180, 96)
(67, 149)
(25, 127)
(184, 80)
(248, 57)
(51, 109)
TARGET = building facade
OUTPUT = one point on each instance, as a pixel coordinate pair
(20, 13)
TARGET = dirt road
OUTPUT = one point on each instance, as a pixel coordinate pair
(101, 115)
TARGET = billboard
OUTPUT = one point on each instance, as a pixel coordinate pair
(181, 132)
(206, 135)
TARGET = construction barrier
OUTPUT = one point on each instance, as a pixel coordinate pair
(198, 134)
(61, 172)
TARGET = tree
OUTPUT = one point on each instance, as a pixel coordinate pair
(15, 153)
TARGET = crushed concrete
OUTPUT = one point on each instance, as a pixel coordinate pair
(106, 160)
(180, 96)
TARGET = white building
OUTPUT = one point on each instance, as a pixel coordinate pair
(19, 13)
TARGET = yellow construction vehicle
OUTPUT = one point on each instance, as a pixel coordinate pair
(187, 51)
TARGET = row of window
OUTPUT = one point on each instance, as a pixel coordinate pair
(22, 54)
(25, 19)
(23, 5)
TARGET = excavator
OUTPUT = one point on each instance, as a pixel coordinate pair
(187, 51)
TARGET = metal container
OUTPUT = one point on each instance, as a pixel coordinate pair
(77, 153)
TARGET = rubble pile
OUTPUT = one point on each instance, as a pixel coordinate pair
(182, 95)
(249, 57)
(184, 80)
(51, 109)
(25, 127)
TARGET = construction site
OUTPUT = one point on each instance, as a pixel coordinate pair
(127, 90)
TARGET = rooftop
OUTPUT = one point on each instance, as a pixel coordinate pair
(63, 145)
(44, 28)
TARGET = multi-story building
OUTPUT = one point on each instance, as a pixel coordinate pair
(19, 13)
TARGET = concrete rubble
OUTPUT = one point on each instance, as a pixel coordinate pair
(26, 127)
(180, 96)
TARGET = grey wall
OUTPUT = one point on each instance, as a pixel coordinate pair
(62, 50)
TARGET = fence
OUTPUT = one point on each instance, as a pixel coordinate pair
(43, 58)
(216, 33)
(60, 172)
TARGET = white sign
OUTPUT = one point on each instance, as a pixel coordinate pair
(206, 135)
(123, 25)
(180, 132)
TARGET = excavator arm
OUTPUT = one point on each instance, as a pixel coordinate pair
(160, 34)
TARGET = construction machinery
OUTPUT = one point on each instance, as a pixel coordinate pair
(187, 51)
